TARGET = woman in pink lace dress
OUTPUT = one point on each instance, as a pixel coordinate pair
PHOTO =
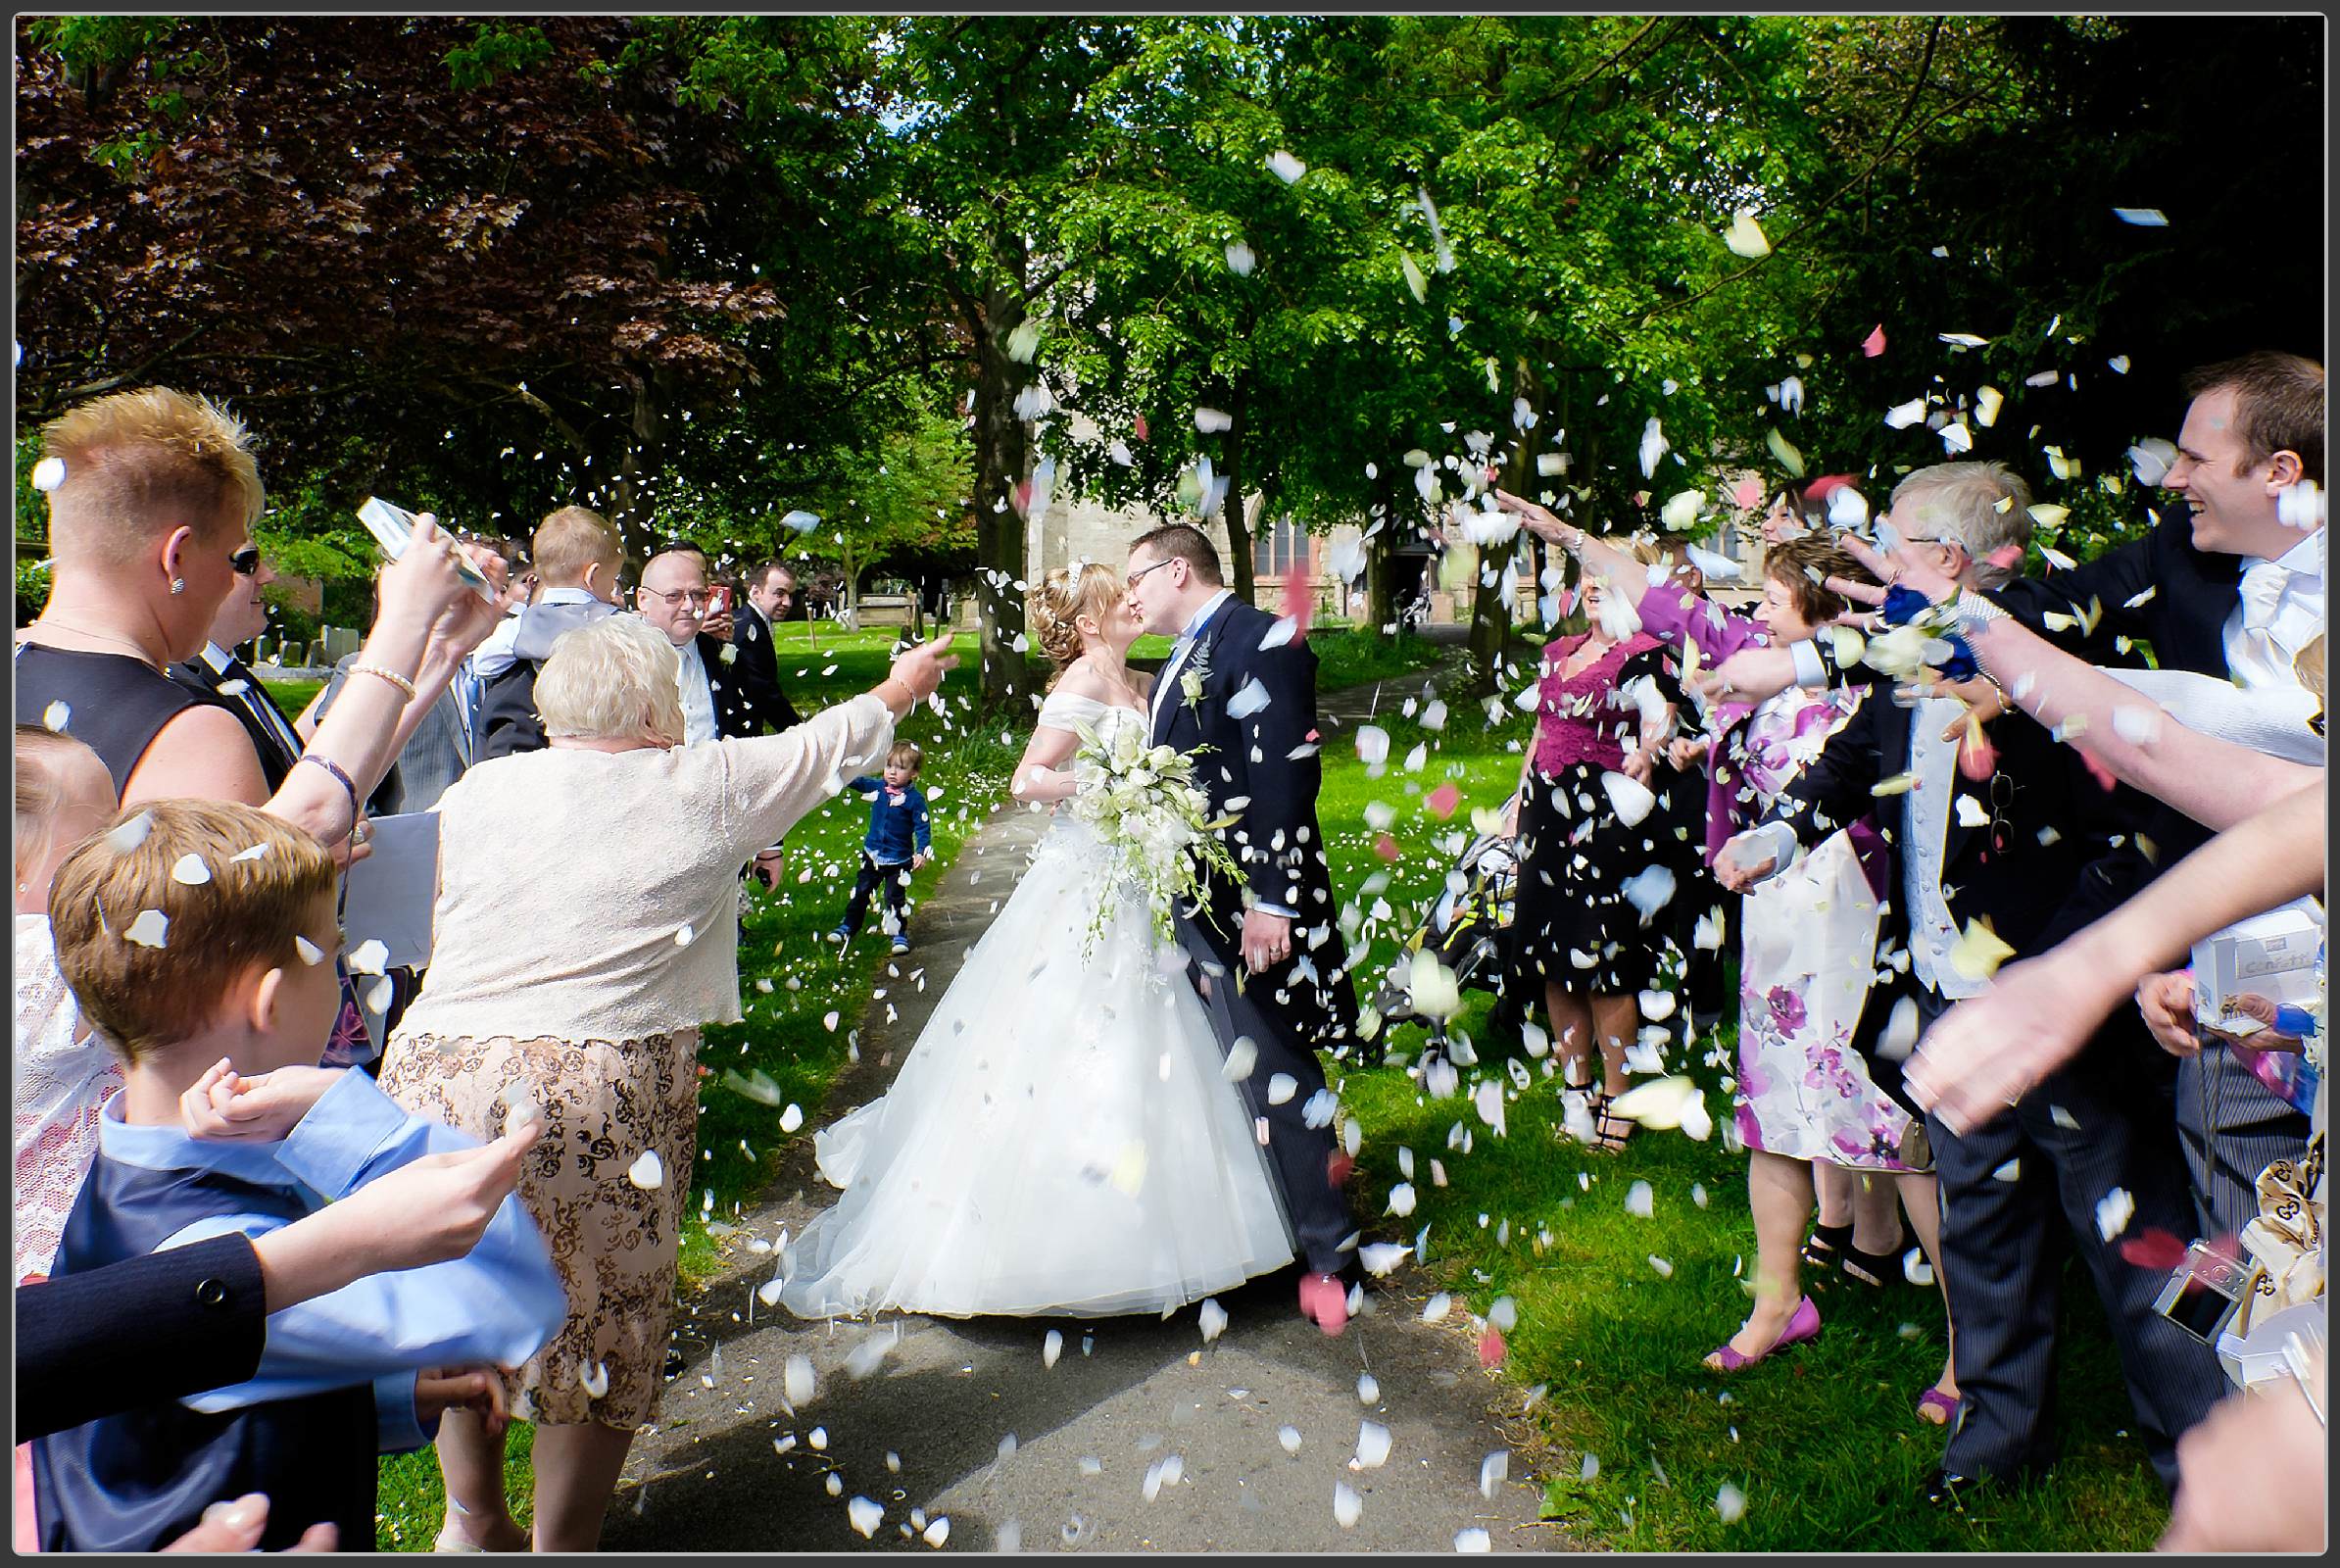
(1588, 823)
(64, 1071)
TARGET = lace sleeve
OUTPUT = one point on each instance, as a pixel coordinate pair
(60, 1088)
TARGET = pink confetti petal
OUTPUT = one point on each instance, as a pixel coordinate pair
(1299, 598)
(2096, 769)
(2156, 1249)
(1443, 801)
(1747, 494)
(1492, 1349)
(1875, 343)
(2006, 558)
(1140, 431)
(1386, 847)
(1978, 758)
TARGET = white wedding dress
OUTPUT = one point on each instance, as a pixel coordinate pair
(1062, 1139)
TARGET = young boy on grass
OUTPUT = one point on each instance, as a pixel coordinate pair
(898, 843)
(199, 937)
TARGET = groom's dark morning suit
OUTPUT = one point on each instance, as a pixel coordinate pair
(1263, 770)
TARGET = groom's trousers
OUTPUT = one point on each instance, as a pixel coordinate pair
(1300, 1154)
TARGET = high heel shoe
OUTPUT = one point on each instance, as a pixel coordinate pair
(1802, 1325)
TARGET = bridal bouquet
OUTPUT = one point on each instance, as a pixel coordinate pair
(1143, 803)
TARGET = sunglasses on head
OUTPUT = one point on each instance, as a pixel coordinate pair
(245, 562)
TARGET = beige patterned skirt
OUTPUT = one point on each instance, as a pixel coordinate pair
(614, 1240)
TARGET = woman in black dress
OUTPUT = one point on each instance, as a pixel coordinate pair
(1592, 841)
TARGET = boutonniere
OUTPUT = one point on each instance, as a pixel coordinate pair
(728, 654)
(1190, 682)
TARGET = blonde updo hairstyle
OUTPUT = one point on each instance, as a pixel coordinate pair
(1062, 598)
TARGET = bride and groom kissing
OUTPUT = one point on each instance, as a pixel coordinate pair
(1092, 1122)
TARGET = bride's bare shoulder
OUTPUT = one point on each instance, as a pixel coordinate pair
(1080, 680)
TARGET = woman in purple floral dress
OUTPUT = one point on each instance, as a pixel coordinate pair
(1805, 1093)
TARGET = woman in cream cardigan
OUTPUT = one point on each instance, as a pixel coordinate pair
(579, 989)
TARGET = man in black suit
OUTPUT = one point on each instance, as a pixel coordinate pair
(771, 593)
(1238, 693)
(217, 674)
(2222, 586)
(2022, 850)
(723, 693)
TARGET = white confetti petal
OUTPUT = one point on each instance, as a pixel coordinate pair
(792, 1118)
(191, 871)
(1052, 1347)
(865, 1515)
(379, 996)
(1631, 800)
(1730, 1503)
(1379, 1257)
(311, 953)
(152, 929)
(937, 1532)
(2113, 1212)
(370, 956)
(1373, 1444)
(57, 716)
(48, 473)
(2142, 217)
(648, 1172)
(129, 835)
(796, 1381)
(1289, 1437)
(1641, 1201)
(1493, 1470)
(1437, 1307)
(1402, 1200)
(1287, 168)
(1281, 1088)
(1348, 1506)
(1369, 1388)
(1251, 699)
(594, 1379)
(682, 938)
(1211, 1319)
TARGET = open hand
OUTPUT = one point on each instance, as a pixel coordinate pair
(1637, 766)
(923, 667)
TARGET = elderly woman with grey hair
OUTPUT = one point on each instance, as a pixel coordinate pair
(580, 990)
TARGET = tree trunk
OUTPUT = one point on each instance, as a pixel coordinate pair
(1491, 621)
(1003, 457)
(629, 508)
(1243, 562)
(1381, 599)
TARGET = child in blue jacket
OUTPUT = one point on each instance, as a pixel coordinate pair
(898, 843)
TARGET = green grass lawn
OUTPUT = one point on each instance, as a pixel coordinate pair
(1615, 1311)
(1822, 1442)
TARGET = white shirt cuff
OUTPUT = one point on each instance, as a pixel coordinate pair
(1809, 670)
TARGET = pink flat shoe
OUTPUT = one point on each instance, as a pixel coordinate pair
(1324, 1300)
(1802, 1326)
(1937, 1408)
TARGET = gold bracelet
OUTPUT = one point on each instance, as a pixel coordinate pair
(390, 675)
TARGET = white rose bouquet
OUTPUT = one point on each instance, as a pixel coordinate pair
(1143, 803)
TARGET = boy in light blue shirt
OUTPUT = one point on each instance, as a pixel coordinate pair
(199, 938)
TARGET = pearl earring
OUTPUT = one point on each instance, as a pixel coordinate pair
(179, 585)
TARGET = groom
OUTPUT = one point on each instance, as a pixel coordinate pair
(1274, 967)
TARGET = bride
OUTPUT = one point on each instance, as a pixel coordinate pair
(1062, 1139)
